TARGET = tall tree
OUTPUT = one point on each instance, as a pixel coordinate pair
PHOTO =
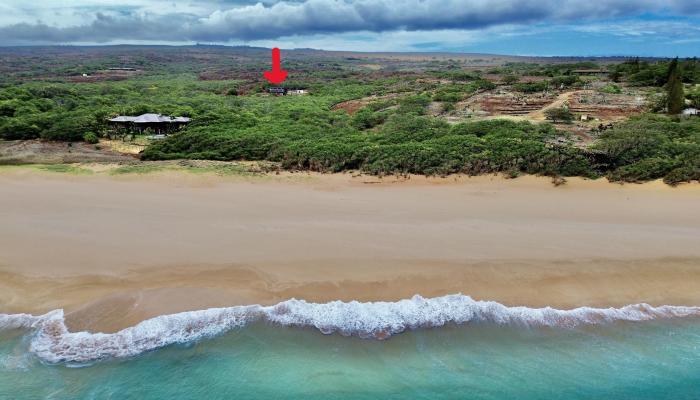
(674, 88)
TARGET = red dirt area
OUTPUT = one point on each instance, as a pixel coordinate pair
(606, 106)
(352, 106)
(514, 104)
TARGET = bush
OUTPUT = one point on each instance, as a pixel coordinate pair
(651, 147)
(91, 138)
(483, 84)
(683, 174)
(366, 119)
(566, 81)
(7, 109)
(448, 97)
(610, 89)
(643, 170)
(19, 129)
(531, 87)
(414, 105)
(510, 79)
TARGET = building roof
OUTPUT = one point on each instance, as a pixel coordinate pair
(149, 119)
(122, 118)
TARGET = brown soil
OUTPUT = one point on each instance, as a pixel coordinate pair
(509, 103)
(40, 152)
(352, 106)
(606, 107)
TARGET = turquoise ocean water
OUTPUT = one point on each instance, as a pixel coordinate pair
(652, 359)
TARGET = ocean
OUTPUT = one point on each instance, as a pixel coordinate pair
(451, 347)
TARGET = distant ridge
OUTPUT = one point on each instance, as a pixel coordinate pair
(362, 54)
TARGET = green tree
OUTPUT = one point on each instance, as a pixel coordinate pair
(16, 129)
(561, 114)
(674, 87)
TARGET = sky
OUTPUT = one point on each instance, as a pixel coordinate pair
(661, 28)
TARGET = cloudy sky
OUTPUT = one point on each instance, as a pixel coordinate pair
(527, 27)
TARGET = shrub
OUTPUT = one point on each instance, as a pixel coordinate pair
(531, 87)
(69, 126)
(448, 97)
(19, 129)
(510, 79)
(366, 119)
(566, 81)
(91, 137)
(561, 114)
(683, 174)
(610, 89)
(643, 170)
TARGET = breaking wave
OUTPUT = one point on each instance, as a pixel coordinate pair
(53, 343)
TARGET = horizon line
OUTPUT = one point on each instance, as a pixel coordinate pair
(442, 52)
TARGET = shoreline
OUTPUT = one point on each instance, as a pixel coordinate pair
(111, 303)
(116, 250)
(53, 341)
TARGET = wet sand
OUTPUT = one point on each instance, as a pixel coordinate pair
(113, 251)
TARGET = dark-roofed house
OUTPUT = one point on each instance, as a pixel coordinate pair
(278, 91)
(282, 91)
(157, 123)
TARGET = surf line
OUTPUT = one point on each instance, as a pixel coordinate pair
(53, 343)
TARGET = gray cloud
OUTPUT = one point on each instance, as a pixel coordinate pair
(686, 6)
(245, 21)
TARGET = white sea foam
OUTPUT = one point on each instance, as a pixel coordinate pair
(18, 321)
(53, 343)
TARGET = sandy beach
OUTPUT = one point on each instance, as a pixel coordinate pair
(113, 251)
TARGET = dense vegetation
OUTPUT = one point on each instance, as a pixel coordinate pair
(652, 147)
(407, 142)
(642, 149)
(394, 133)
(645, 73)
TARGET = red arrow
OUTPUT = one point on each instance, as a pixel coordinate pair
(277, 75)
